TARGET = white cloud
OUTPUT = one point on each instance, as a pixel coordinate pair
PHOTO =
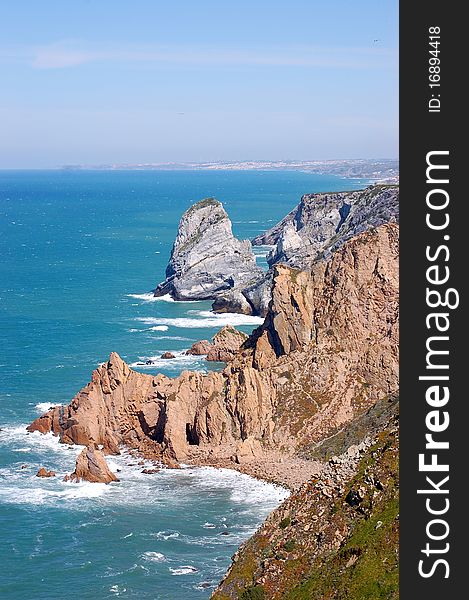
(73, 53)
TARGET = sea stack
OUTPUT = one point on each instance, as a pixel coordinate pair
(207, 261)
(91, 466)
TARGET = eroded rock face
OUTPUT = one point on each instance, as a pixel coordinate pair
(327, 351)
(207, 261)
(92, 466)
(200, 348)
(224, 345)
(235, 301)
(325, 221)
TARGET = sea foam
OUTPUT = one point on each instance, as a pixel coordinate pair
(183, 570)
(149, 297)
(43, 407)
(203, 319)
(154, 557)
(180, 361)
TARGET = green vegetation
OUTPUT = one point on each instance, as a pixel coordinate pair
(365, 424)
(289, 545)
(299, 557)
(366, 568)
(203, 204)
(255, 592)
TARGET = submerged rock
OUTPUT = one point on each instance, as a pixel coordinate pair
(91, 466)
(207, 260)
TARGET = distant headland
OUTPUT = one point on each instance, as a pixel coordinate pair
(377, 170)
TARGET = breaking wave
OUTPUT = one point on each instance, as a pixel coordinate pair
(200, 319)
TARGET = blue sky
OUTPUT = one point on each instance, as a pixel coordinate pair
(128, 81)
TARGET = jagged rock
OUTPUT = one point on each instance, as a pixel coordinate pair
(44, 473)
(168, 355)
(317, 216)
(317, 227)
(327, 351)
(200, 348)
(376, 205)
(225, 344)
(288, 244)
(322, 222)
(92, 466)
(259, 294)
(223, 347)
(207, 260)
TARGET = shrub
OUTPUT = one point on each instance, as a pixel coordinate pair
(289, 545)
(255, 592)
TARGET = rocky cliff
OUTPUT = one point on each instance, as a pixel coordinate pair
(323, 222)
(207, 260)
(327, 351)
(308, 400)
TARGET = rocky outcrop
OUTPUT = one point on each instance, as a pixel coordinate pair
(236, 301)
(317, 216)
(207, 261)
(224, 345)
(44, 473)
(200, 348)
(323, 222)
(327, 351)
(91, 466)
(247, 449)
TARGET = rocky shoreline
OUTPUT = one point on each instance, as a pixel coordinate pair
(316, 381)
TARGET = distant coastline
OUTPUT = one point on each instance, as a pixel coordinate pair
(376, 170)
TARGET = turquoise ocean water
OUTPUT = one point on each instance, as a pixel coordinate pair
(79, 250)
